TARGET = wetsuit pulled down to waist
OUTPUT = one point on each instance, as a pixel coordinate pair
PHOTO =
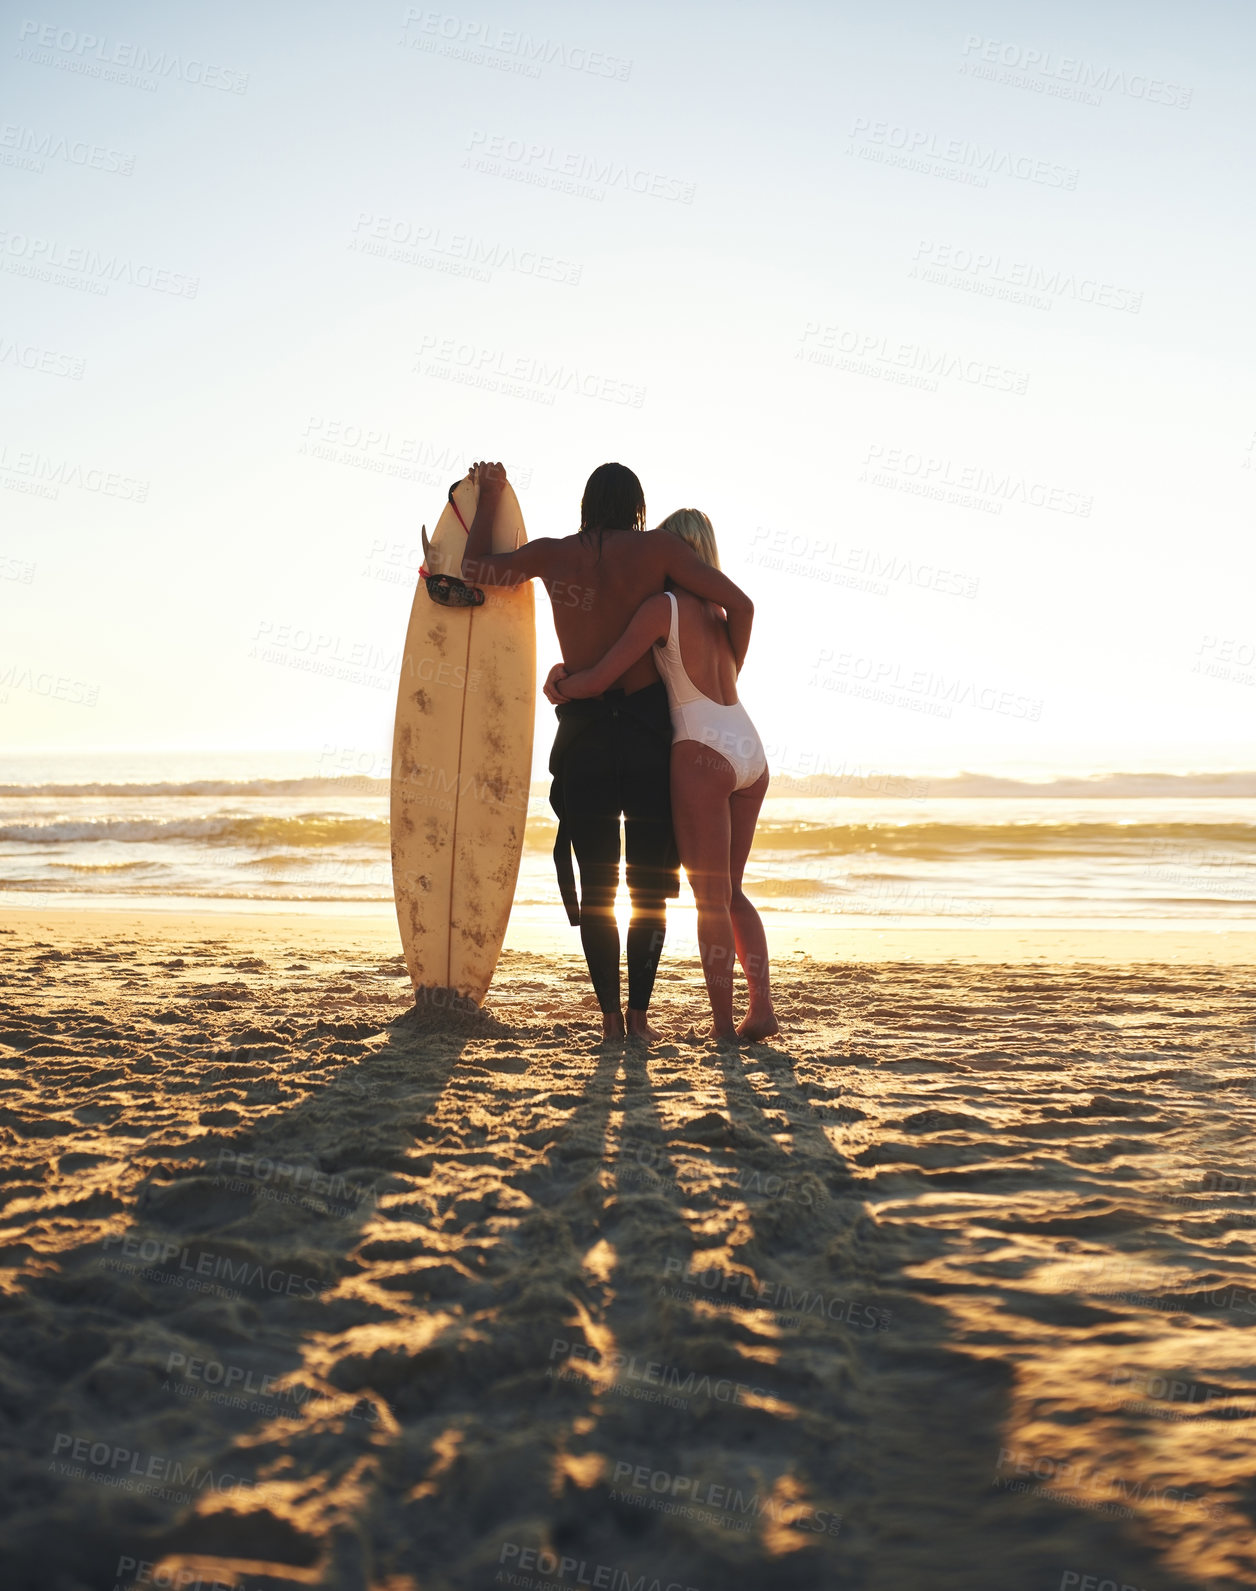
(612, 759)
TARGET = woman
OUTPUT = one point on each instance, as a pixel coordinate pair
(719, 774)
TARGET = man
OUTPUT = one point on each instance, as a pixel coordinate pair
(612, 753)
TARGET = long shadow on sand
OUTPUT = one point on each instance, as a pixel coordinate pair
(155, 1377)
(690, 1357)
(621, 1319)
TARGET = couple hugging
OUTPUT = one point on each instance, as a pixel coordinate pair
(650, 729)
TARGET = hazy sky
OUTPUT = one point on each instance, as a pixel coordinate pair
(941, 311)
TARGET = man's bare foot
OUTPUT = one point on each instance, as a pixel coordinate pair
(757, 1025)
(612, 1026)
(639, 1026)
(723, 1037)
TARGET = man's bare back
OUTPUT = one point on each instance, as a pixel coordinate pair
(594, 591)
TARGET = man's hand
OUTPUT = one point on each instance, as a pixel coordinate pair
(557, 673)
(489, 479)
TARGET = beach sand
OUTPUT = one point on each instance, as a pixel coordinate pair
(951, 1285)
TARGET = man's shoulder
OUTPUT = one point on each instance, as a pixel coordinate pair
(656, 544)
(545, 548)
(556, 549)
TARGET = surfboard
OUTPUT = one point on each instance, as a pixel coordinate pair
(462, 760)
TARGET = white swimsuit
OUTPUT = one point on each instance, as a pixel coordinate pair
(725, 729)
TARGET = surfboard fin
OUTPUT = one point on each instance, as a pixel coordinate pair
(427, 546)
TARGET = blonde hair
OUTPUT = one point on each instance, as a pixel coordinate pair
(692, 526)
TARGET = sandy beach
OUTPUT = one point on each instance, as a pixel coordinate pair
(950, 1285)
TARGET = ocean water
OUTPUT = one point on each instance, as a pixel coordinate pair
(259, 832)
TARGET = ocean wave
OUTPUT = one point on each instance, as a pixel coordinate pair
(1236, 784)
(1174, 841)
(311, 829)
(791, 888)
(95, 869)
(182, 890)
(343, 784)
(1019, 837)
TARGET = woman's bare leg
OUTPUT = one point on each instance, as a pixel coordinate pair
(752, 943)
(702, 782)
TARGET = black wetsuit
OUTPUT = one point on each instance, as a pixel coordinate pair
(612, 758)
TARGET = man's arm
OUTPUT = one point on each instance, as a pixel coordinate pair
(684, 568)
(480, 564)
(651, 622)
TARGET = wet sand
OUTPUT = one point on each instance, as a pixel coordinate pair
(951, 1285)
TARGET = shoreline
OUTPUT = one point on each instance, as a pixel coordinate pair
(806, 936)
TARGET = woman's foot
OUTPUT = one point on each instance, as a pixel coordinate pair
(756, 1025)
(639, 1026)
(612, 1026)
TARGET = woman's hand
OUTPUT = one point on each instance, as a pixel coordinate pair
(552, 694)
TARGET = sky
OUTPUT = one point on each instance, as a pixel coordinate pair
(940, 311)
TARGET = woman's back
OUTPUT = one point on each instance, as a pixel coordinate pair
(705, 649)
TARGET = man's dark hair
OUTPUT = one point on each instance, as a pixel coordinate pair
(613, 500)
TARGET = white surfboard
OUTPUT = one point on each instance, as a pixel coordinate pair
(462, 760)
